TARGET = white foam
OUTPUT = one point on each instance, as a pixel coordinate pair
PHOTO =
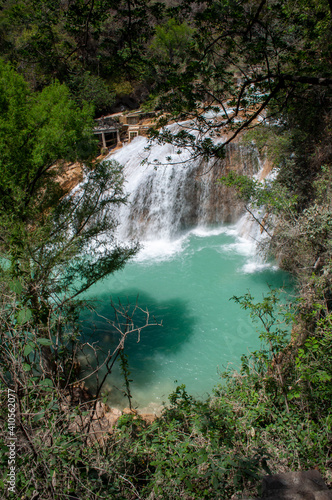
(242, 247)
(256, 266)
(203, 232)
(160, 249)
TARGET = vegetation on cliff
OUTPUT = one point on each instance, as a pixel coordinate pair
(251, 58)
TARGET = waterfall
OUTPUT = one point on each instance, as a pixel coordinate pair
(170, 193)
(250, 229)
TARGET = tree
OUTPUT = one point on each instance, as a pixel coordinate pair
(171, 42)
(54, 245)
(252, 60)
(90, 46)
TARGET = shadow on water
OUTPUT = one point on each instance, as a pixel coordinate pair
(155, 341)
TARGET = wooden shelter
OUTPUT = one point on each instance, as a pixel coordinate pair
(108, 131)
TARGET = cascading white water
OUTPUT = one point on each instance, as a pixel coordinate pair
(253, 229)
(164, 199)
(167, 199)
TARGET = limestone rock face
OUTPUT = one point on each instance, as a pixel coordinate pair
(69, 175)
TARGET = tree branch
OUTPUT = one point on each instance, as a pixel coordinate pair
(255, 19)
(259, 222)
(254, 115)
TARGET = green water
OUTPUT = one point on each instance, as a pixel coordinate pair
(186, 285)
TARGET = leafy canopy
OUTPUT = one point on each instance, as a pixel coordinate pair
(58, 244)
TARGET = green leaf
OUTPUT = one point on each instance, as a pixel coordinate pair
(215, 483)
(16, 287)
(39, 416)
(28, 348)
(53, 405)
(46, 342)
(47, 382)
(26, 367)
(24, 316)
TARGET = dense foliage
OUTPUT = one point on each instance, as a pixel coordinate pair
(54, 245)
(95, 47)
(233, 66)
